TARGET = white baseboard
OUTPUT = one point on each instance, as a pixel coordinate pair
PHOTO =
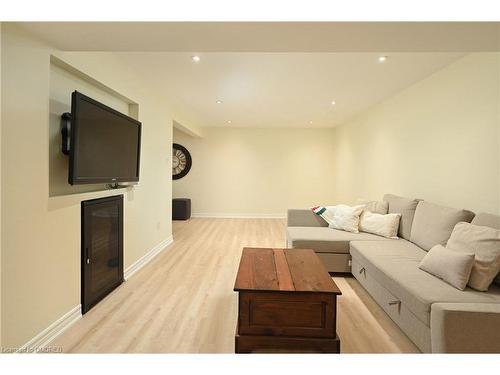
(146, 258)
(239, 216)
(67, 320)
(51, 332)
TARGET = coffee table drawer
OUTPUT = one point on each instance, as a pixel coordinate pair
(287, 314)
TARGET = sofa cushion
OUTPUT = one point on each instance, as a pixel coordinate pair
(382, 225)
(488, 220)
(484, 242)
(300, 217)
(451, 266)
(406, 207)
(341, 216)
(433, 224)
(394, 264)
(326, 240)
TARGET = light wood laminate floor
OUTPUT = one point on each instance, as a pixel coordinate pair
(183, 300)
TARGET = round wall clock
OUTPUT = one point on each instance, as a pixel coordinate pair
(181, 161)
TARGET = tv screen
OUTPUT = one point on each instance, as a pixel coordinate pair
(104, 143)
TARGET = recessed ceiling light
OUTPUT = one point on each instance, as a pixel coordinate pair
(228, 121)
(310, 122)
(382, 59)
(219, 101)
(333, 102)
(195, 58)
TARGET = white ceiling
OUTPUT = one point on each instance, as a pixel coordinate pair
(270, 36)
(282, 89)
(276, 74)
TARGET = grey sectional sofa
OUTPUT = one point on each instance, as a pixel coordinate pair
(437, 317)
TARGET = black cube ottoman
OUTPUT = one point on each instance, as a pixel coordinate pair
(181, 209)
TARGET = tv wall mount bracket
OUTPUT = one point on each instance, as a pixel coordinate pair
(66, 133)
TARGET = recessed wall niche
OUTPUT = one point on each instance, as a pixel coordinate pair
(64, 79)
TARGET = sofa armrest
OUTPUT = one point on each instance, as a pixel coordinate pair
(465, 327)
(304, 218)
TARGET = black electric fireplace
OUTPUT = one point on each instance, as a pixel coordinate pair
(102, 248)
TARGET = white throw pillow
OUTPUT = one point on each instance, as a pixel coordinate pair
(451, 266)
(345, 217)
(377, 207)
(484, 242)
(383, 225)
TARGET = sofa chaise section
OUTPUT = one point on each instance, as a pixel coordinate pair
(306, 230)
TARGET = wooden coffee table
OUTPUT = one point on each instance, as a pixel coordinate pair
(287, 303)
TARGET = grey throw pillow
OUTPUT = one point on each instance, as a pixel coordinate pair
(451, 266)
(406, 207)
(484, 242)
(488, 220)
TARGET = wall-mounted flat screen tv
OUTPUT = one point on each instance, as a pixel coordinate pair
(105, 145)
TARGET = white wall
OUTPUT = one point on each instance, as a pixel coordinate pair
(257, 172)
(437, 140)
(63, 81)
(40, 233)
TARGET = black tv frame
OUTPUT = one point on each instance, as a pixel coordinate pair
(72, 175)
